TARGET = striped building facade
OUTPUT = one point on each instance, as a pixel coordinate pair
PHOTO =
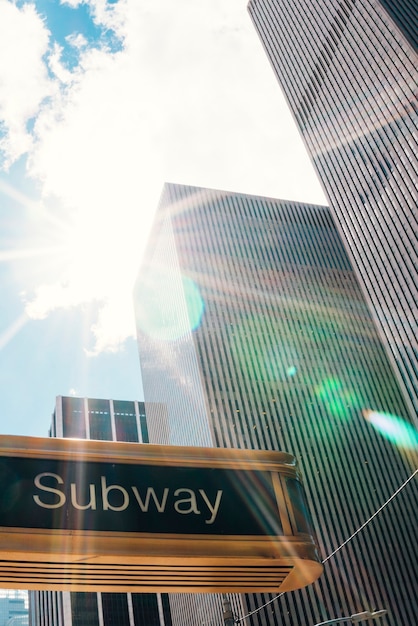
(254, 332)
(349, 71)
(108, 420)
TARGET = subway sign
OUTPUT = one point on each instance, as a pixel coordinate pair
(85, 515)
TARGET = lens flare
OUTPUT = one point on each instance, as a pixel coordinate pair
(280, 361)
(394, 428)
(263, 351)
(194, 302)
(338, 398)
(291, 371)
(171, 306)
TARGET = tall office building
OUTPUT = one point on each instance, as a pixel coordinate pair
(254, 332)
(349, 71)
(13, 608)
(109, 420)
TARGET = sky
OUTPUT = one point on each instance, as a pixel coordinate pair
(101, 102)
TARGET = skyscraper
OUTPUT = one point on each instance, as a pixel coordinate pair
(13, 608)
(254, 332)
(349, 71)
(109, 420)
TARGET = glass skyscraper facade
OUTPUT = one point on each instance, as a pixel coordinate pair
(109, 420)
(253, 330)
(349, 71)
(13, 608)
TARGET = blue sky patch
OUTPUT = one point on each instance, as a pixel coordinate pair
(64, 21)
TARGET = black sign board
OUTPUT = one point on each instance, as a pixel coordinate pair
(97, 496)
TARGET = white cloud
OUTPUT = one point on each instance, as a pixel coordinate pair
(77, 40)
(24, 81)
(189, 98)
(52, 296)
(56, 66)
(72, 3)
(115, 324)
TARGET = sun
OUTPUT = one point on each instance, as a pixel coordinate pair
(67, 257)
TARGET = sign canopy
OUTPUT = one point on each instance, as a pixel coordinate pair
(86, 515)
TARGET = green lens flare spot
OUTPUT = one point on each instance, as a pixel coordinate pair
(194, 302)
(396, 429)
(338, 399)
(171, 306)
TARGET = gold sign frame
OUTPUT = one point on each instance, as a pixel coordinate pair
(36, 555)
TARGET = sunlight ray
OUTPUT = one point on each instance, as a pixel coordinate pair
(28, 253)
(12, 330)
(16, 194)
